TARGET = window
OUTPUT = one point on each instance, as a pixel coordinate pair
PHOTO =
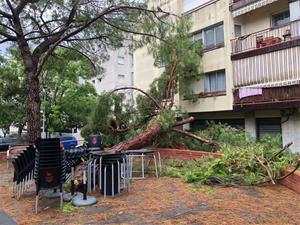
(93, 81)
(215, 82)
(198, 37)
(212, 37)
(121, 56)
(280, 18)
(121, 76)
(237, 30)
(268, 126)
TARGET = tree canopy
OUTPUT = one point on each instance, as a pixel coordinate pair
(38, 27)
(12, 92)
(66, 101)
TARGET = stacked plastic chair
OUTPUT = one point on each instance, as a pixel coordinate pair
(73, 157)
(110, 171)
(49, 167)
(23, 171)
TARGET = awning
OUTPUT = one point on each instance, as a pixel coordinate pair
(251, 7)
(272, 84)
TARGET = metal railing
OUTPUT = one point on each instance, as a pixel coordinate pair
(236, 4)
(266, 37)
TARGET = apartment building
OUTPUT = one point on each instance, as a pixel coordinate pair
(118, 72)
(251, 65)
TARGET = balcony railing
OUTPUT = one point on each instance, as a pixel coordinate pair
(236, 4)
(278, 97)
(267, 37)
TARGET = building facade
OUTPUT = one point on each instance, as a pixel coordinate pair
(117, 72)
(251, 65)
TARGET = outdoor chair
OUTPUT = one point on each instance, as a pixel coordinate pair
(23, 171)
(109, 171)
(49, 167)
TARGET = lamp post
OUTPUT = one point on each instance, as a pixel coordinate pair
(43, 111)
(43, 123)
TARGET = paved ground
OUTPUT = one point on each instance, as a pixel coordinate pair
(163, 201)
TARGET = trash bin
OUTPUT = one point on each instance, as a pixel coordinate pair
(110, 177)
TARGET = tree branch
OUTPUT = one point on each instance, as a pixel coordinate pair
(6, 15)
(60, 39)
(280, 151)
(266, 168)
(157, 104)
(290, 173)
(133, 32)
(205, 140)
(185, 121)
(8, 36)
(10, 7)
(82, 54)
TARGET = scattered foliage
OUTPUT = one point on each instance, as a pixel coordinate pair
(69, 208)
(237, 166)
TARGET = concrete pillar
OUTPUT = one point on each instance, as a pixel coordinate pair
(250, 125)
(291, 131)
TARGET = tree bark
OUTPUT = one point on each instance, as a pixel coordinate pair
(141, 140)
(33, 107)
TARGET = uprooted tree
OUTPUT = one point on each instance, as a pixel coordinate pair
(154, 115)
(38, 27)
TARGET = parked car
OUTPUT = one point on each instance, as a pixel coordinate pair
(68, 142)
(6, 142)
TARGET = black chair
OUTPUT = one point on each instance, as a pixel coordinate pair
(23, 171)
(110, 168)
(49, 167)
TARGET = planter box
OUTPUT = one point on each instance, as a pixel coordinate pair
(184, 154)
(292, 181)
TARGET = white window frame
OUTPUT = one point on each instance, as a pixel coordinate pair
(202, 40)
(278, 13)
(216, 90)
(121, 57)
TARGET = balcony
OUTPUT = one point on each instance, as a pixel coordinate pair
(266, 38)
(240, 7)
(278, 97)
(268, 58)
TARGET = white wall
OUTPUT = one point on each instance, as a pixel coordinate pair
(250, 125)
(111, 78)
(291, 131)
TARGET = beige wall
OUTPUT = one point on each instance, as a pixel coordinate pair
(211, 14)
(213, 60)
(144, 70)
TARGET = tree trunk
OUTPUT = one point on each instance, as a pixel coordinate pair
(33, 107)
(141, 140)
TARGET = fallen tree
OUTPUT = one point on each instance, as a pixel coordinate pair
(155, 108)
